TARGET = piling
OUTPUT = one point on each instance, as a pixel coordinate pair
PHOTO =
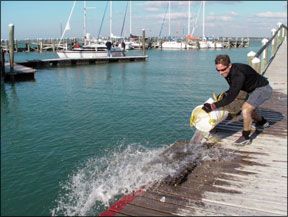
(11, 46)
(53, 45)
(16, 45)
(28, 46)
(143, 42)
(41, 46)
(2, 62)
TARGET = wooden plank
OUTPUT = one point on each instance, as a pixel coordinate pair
(133, 210)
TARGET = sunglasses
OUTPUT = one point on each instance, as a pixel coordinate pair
(222, 70)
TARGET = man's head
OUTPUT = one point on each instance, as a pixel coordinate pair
(223, 65)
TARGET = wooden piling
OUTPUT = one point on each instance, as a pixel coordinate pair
(11, 46)
(16, 45)
(143, 42)
(41, 46)
(53, 45)
(28, 49)
(2, 62)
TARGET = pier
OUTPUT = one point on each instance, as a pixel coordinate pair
(249, 180)
(51, 45)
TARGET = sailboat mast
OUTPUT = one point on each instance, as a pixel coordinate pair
(169, 29)
(130, 19)
(85, 22)
(189, 17)
(110, 18)
(203, 19)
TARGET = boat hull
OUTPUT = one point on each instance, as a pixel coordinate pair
(79, 54)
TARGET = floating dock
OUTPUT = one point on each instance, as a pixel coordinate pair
(58, 62)
(24, 71)
(19, 73)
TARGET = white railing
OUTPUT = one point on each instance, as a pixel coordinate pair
(262, 59)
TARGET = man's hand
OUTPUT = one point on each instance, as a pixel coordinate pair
(207, 107)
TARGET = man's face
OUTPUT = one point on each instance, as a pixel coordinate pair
(223, 70)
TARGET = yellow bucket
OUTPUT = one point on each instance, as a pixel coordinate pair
(204, 121)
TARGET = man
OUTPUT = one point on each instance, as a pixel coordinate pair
(243, 77)
(123, 47)
(109, 45)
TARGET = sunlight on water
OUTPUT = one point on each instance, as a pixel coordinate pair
(102, 180)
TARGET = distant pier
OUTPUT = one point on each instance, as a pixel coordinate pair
(50, 45)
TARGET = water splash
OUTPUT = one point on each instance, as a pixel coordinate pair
(101, 180)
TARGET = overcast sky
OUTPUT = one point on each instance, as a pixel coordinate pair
(46, 19)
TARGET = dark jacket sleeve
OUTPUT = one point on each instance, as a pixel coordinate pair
(234, 89)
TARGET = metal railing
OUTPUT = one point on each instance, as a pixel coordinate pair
(262, 59)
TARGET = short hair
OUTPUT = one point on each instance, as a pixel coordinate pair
(222, 59)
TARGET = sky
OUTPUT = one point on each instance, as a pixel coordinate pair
(47, 19)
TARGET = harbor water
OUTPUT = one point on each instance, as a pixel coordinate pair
(77, 138)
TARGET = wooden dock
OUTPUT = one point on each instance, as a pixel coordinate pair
(249, 180)
(24, 71)
(61, 62)
(19, 73)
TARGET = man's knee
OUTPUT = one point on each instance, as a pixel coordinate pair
(247, 109)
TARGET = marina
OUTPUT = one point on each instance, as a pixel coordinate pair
(91, 131)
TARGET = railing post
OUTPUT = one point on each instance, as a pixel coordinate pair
(279, 35)
(250, 56)
(273, 43)
(283, 33)
(264, 61)
(256, 64)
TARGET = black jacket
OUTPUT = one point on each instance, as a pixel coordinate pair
(241, 77)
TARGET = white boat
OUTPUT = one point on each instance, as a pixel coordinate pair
(173, 45)
(90, 51)
(203, 44)
(92, 48)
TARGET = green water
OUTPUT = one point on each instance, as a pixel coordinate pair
(76, 129)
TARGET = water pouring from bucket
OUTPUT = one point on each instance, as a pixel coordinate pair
(205, 122)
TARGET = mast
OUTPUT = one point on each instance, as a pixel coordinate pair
(169, 29)
(110, 18)
(67, 26)
(85, 22)
(130, 19)
(189, 17)
(203, 19)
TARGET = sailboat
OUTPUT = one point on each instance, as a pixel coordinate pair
(204, 43)
(91, 48)
(172, 44)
